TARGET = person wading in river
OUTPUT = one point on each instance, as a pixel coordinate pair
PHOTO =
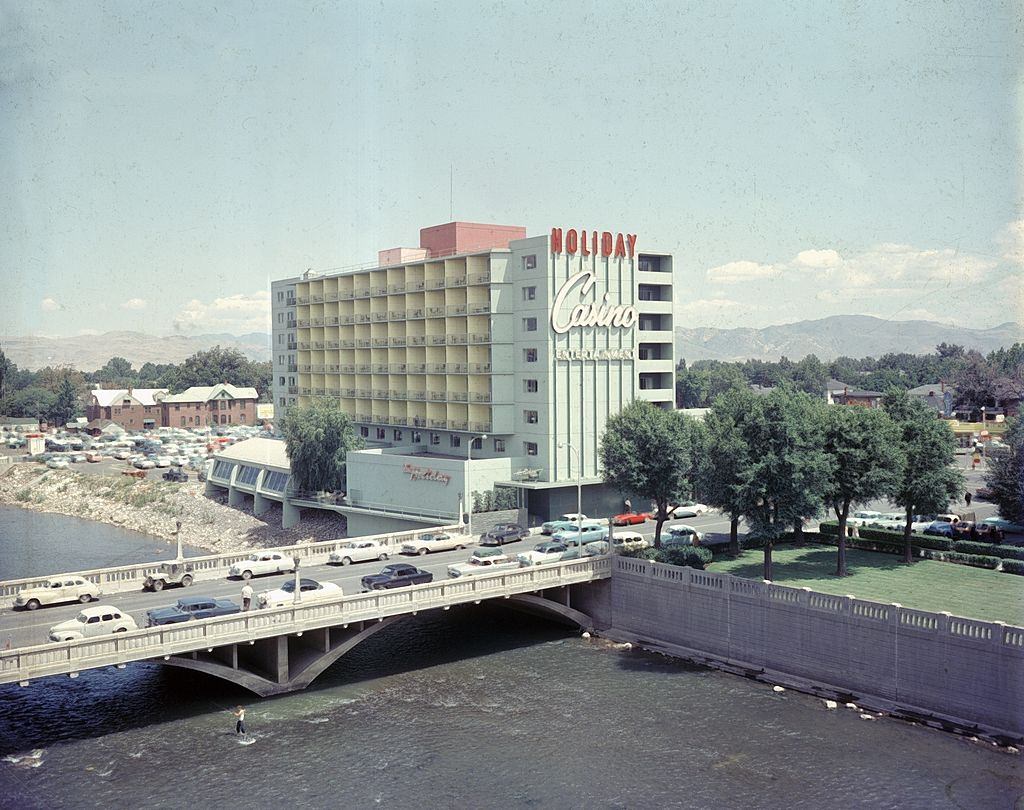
(240, 722)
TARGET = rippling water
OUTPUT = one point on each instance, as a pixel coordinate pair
(476, 708)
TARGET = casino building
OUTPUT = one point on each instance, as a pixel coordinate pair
(482, 358)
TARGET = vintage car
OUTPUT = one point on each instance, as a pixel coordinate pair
(563, 522)
(483, 561)
(308, 589)
(263, 562)
(546, 552)
(99, 620)
(396, 575)
(169, 573)
(56, 591)
(630, 518)
(682, 535)
(629, 541)
(941, 528)
(1007, 526)
(688, 509)
(589, 532)
(191, 607)
(503, 533)
(358, 551)
(435, 541)
(175, 475)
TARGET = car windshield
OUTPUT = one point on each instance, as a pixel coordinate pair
(81, 617)
(254, 557)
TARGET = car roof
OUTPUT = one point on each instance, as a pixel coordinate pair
(97, 610)
(192, 600)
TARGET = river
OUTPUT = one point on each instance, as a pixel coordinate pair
(478, 707)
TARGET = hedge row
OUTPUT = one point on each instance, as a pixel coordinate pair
(988, 549)
(889, 536)
(692, 556)
(1013, 567)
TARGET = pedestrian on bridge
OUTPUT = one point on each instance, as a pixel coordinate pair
(246, 596)
(240, 722)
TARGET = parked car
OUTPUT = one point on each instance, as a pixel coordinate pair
(56, 591)
(682, 535)
(308, 589)
(863, 518)
(263, 562)
(396, 575)
(175, 475)
(552, 526)
(588, 533)
(630, 518)
(940, 529)
(162, 461)
(143, 464)
(546, 552)
(949, 518)
(1007, 526)
(483, 561)
(503, 533)
(435, 541)
(689, 509)
(358, 551)
(58, 463)
(984, 493)
(169, 573)
(100, 620)
(629, 541)
(93, 457)
(77, 458)
(191, 607)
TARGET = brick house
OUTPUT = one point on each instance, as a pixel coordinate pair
(145, 408)
(131, 408)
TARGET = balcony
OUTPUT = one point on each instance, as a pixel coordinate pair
(396, 314)
(292, 368)
(348, 393)
(397, 368)
(319, 345)
(479, 368)
(332, 321)
(396, 394)
(395, 289)
(380, 368)
(437, 423)
(437, 340)
(363, 368)
(293, 389)
(437, 368)
(455, 309)
(364, 393)
(458, 368)
(302, 299)
(305, 346)
(455, 281)
(435, 312)
(306, 392)
(333, 369)
(305, 368)
(396, 341)
(481, 427)
(416, 340)
(459, 339)
(411, 314)
(418, 396)
(438, 396)
(457, 424)
(318, 368)
(379, 290)
(435, 284)
(413, 286)
(289, 302)
(345, 295)
(362, 317)
(458, 396)
(334, 392)
(417, 368)
(479, 309)
(379, 317)
(316, 299)
(317, 322)
(303, 322)
(419, 421)
(379, 341)
(348, 368)
(480, 337)
(292, 345)
(399, 420)
(362, 343)
(330, 297)
(333, 344)
(481, 397)
(348, 343)
(347, 320)
(479, 278)
(319, 392)
(364, 417)
(363, 292)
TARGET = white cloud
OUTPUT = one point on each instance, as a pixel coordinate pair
(236, 314)
(134, 303)
(49, 305)
(738, 272)
(1012, 242)
(818, 259)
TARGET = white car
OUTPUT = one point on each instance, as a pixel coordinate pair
(100, 620)
(486, 560)
(682, 535)
(143, 464)
(589, 533)
(863, 518)
(629, 541)
(436, 541)
(574, 517)
(58, 463)
(77, 458)
(547, 552)
(686, 510)
(162, 461)
(358, 551)
(309, 589)
(263, 562)
(57, 590)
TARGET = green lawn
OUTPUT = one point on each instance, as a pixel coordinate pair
(926, 585)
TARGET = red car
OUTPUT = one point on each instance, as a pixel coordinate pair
(630, 518)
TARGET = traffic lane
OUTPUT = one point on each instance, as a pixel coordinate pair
(27, 628)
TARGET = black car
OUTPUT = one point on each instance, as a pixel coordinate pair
(395, 576)
(176, 475)
(503, 533)
(191, 607)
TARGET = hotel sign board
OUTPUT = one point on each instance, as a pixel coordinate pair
(588, 243)
(425, 474)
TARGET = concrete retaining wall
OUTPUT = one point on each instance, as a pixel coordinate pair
(970, 672)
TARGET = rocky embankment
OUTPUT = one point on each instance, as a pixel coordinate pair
(152, 506)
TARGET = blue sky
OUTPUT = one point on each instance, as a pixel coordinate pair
(162, 162)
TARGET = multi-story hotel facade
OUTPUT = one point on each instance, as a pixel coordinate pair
(485, 358)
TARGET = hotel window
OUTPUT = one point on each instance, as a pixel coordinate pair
(397, 435)
(416, 437)
(530, 386)
(280, 317)
(280, 338)
(455, 441)
(530, 355)
(280, 296)
(364, 431)
(530, 448)
(529, 324)
(530, 417)
(435, 438)
(381, 433)
(499, 445)
(529, 293)
(478, 443)
(282, 380)
(282, 400)
(530, 262)
(280, 359)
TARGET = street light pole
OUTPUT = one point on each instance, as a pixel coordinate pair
(469, 494)
(579, 495)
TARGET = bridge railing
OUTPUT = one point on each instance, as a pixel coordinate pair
(54, 658)
(214, 566)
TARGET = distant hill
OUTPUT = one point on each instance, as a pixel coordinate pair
(90, 352)
(837, 336)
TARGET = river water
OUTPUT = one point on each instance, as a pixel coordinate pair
(478, 707)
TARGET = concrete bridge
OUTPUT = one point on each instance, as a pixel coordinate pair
(284, 649)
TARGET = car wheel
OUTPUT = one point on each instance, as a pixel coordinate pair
(247, 575)
(121, 630)
(186, 580)
(32, 604)
(346, 561)
(158, 584)
(460, 547)
(422, 551)
(84, 598)
(383, 557)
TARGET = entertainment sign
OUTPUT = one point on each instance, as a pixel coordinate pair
(595, 354)
(621, 245)
(425, 474)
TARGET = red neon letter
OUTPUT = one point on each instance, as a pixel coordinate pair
(556, 240)
(606, 244)
(620, 246)
(631, 238)
(571, 242)
(583, 243)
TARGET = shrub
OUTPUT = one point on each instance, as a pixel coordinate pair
(973, 560)
(1013, 567)
(988, 550)
(691, 556)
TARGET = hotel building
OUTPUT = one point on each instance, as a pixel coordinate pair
(482, 358)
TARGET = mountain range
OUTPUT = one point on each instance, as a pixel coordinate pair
(837, 336)
(90, 352)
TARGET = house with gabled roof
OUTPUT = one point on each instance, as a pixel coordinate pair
(221, 404)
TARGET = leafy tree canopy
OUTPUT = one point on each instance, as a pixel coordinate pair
(318, 437)
(1006, 476)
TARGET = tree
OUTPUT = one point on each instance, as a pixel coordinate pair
(218, 365)
(864, 457)
(318, 436)
(7, 371)
(927, 481)
(116, 370)
(34, 402)
(975, 383)
(722, 468)
(66, 406)
(647, 451)
(786, 478)
(1005, 476)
